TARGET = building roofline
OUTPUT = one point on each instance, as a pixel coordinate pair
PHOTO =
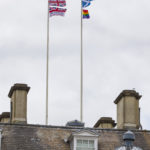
(69, 128)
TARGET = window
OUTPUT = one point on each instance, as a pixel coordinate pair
(85, 145)
(84, 140)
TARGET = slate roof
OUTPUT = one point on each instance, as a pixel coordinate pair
(38, 137)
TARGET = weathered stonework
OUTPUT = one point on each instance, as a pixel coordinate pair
(128, 114)
(18, 94)
(105, 123)
(5, 117)
(36, 137)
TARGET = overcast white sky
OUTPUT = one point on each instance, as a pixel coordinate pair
(116, 57)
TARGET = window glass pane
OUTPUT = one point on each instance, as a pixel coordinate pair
(85, 143)
(79, 143)
(91, 144)
(81, 148)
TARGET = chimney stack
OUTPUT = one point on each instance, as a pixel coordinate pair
(5, 117)
(18, 94)
(105, 123)
(128, 115)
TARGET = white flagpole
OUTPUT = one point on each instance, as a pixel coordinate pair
(47, 67)
(81, 71)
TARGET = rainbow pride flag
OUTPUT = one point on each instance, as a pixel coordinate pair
(85, 14)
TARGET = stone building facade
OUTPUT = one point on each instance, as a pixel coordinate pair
(36, 137)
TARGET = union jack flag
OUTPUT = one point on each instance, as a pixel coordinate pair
(60, 3)
(54, 11)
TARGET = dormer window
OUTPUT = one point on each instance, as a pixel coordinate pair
(84, 140)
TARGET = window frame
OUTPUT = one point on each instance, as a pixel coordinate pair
(87, 139)
(84, 135)
(87, 144)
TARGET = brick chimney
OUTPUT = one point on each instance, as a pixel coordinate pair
(128, 115)
(18, 94)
